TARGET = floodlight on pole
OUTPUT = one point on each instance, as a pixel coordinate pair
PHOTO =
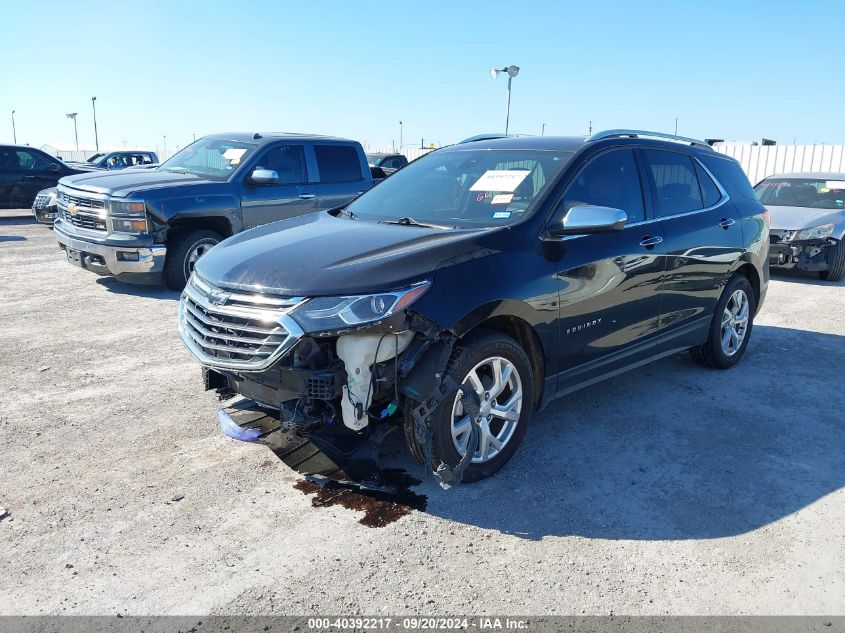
(96, 136)
(72, 115)
(512, 71)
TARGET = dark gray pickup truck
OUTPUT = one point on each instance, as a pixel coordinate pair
(149, 225)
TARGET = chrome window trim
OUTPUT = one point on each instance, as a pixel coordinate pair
(724, 199)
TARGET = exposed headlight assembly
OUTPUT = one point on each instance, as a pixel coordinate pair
(336, 313)
(816, 233)
(121, 225)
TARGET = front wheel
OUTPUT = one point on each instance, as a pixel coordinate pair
(499, 372)
(183, 252)
(731, 327)
(835, 262)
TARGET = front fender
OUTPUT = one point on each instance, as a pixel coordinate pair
(194, 206)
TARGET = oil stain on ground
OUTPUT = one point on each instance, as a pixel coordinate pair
(380, 508)
(340, 470)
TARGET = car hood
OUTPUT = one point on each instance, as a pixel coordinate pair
(124, 182)
(320, 254)
(793, 218)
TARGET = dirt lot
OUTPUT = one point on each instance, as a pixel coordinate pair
(671, 490)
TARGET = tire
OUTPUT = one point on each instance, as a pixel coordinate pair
(713, 353)
(836, 263)
(180, 251)
(480, 353)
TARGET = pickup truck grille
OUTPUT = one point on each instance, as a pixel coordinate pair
(228, 330)
(89, 212)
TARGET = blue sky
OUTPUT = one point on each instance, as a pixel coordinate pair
(727, 69)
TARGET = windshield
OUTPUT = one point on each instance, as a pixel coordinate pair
(816, 193)
(375, 159)
(463, 187)
(212, 158)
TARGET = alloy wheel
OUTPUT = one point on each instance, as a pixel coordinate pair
(735, 322)
(499, 387)
(197, 250)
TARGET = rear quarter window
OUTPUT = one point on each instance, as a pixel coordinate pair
(338, 163)
(729, 174)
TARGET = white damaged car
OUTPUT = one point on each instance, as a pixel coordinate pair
(807, 222)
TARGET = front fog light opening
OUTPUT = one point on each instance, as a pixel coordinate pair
(128, 256)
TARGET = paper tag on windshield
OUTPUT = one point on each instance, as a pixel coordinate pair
(500, 180)
(502, 198)
(835, 184)
(233, 154)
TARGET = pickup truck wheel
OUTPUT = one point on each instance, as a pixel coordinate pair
(836, 263)
(731, 327)
(183, 252)
(501, 375)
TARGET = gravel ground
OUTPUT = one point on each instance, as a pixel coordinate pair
(673, 489)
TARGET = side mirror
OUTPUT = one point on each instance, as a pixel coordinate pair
(590, 219)
(261, 176)
(54, 168)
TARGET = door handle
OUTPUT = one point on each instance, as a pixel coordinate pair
(651, 242)
(307, 196)
(727, 223)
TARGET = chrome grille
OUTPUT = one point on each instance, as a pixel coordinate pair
(80, 201)
(41, 200)
(231, 330)
(90, 212)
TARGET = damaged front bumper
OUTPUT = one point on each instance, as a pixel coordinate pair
(353, 383)
(806, 255)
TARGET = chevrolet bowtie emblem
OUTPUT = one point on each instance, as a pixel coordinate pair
(71, 208)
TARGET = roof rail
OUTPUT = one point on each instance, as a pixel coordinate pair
(646, 134)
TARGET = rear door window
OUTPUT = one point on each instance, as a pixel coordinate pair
(675, 182)
(338, 163)
(288, 161)
(610, 180)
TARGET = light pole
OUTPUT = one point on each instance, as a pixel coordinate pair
(72, 115)
(512, 72)
(164, 153)
(676, 126)
(96, 137)
(543, 130)
(14, 131)
(400, 136)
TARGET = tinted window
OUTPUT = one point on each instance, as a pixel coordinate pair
(288, 161)
(709, 191)
(338, 163)
(611, 180)
(675, 182)
(33, 161)
(729, 173)
(8, 159)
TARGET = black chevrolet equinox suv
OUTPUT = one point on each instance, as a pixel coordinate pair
(476, 285)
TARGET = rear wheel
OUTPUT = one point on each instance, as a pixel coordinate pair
(183, 252)
(731, 327)
(836, 263)
(499, 372)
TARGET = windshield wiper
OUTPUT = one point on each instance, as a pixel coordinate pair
(406, 221)
(178, 170)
